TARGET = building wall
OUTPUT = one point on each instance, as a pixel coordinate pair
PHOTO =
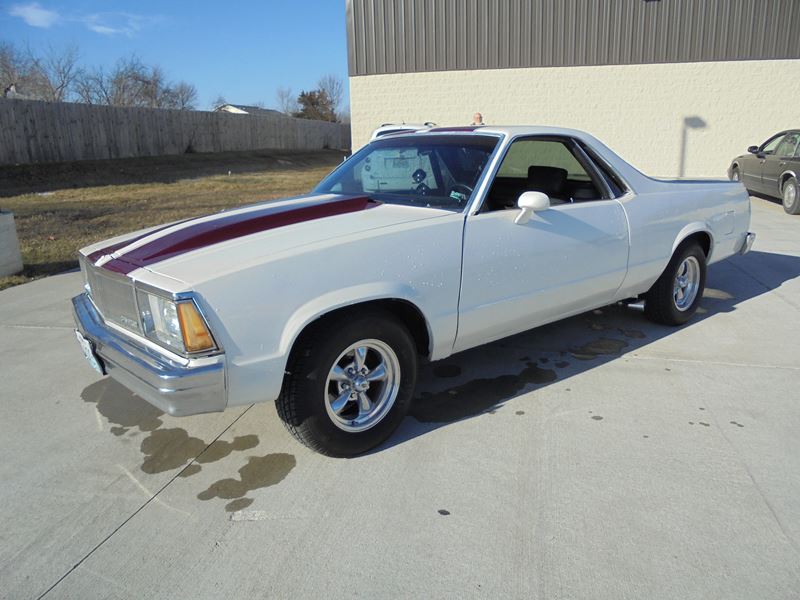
(675, 119)
(405, 36)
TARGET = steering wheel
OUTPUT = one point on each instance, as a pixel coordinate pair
(462, 189)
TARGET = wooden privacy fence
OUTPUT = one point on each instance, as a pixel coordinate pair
(33, 132)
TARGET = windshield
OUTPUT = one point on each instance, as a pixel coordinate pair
(438, 171)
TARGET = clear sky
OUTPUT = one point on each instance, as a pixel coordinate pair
(241, 50)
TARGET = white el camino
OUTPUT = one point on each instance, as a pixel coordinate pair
(418, 246)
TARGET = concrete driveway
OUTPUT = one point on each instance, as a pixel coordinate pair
(599, 457)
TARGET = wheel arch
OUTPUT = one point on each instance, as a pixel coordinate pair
(325, 307)
(785, 176)
(695, 231)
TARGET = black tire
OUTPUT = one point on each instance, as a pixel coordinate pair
(736, 175)
(661, 304)
(303, 403)
(790, 196)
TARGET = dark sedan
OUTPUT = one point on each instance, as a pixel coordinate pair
(773, 169)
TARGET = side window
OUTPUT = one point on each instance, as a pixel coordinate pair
(543, 165)
(615, 184)
(787, 146)
(769, 146)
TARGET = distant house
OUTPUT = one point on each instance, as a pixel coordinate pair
(243, 109)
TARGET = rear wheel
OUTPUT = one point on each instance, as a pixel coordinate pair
(674, 297)
(350, 383)
(791, 197)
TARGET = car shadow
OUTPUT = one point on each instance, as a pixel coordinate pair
(484, 379)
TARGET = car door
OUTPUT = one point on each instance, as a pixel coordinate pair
(754, 167)
(564, 260)
(776, 163)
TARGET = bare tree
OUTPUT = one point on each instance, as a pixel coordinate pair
(218, 101)
(93, 86)
(12, 65)
(287, 101)
(182, 96)
(334, 88)
(56, 73)
(57, 77)
(18, 69)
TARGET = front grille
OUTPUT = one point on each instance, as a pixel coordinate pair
(114, 297)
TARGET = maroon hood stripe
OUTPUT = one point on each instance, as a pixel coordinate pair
(224, 228)
(97, 254)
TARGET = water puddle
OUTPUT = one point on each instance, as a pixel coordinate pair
(259, 472)
(476, 396)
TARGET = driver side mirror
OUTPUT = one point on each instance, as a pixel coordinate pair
(753, 149)
(530, 202)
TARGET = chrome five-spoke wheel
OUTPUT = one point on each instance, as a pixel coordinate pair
(687, 282)
(362, 385)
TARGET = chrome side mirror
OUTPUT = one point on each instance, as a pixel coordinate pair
(530, 202)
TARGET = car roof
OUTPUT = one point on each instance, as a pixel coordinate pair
(505, 130)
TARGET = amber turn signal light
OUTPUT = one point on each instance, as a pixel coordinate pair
(196, 336)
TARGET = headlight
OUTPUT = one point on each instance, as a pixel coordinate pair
(179, 326)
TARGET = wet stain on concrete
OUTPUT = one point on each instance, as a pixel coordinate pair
(737, 424)
(629, 333)
(476, 396)
(192, 469)
(691, 422)
(561, 364)
(597, 418)
(238, 504)
(700, 408)
(667, 369)
(598, 347)
(645, 436)
(704, 424)
(633, 333)
(167, 449)
(121, 408)
(259, 472)
(446, 371)
(443, 512)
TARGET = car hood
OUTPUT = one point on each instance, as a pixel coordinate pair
(179, 250)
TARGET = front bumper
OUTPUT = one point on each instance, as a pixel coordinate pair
(749, 238)
(177, 387)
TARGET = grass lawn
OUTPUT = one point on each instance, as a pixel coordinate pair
(61, 208)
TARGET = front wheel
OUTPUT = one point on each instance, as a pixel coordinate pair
(674, 297)
(791, 197)
(350, 383)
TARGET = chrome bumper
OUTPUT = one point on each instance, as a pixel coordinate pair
(176, 388)
(748, 243)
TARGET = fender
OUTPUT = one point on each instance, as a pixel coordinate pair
(350, 296)
(691, 229)
(785, 175)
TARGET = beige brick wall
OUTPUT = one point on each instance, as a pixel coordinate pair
(641, 111)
